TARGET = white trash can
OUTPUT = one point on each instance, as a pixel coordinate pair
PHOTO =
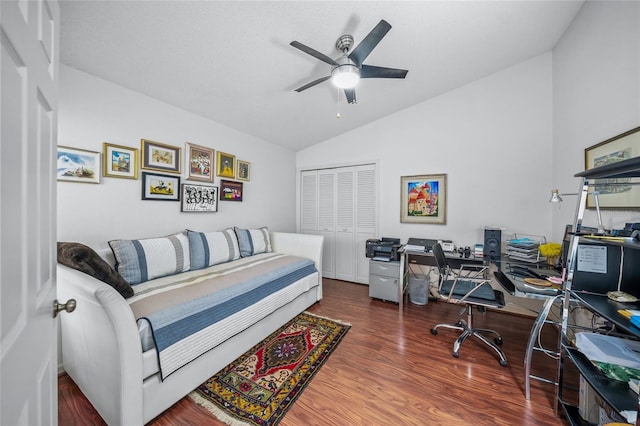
(418, 289)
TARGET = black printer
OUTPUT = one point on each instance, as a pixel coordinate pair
(385, 249)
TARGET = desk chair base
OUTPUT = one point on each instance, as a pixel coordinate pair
(468, 330)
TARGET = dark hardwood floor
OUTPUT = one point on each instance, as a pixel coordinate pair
(390, 370)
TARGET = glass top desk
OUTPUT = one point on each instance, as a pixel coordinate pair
(515, 269)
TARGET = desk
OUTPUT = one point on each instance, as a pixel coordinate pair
(503, 263)
(408, 257)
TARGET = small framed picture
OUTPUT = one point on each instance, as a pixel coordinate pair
(226, 165)
(199, 198)
(619, 193)
(78, 165)
(120, 161)
(230, 190)
(199, 163)
(160, 157)
(160, 187)
(423, 199)
(244, 170)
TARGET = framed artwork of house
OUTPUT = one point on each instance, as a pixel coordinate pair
(423, 199)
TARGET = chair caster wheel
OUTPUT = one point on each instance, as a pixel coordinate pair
(498, 341)
(434, 331)
(503, 363)
(456, 354)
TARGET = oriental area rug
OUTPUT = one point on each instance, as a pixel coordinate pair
(259, 387)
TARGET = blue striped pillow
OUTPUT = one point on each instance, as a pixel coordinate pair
(211, 248)
(253, 241)
(138, 261)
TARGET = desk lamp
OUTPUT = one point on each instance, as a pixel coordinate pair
(556, 198)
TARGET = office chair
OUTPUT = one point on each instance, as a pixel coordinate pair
(468, 287)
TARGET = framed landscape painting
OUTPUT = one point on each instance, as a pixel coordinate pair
(77, 165)
(160, 157)
(199, 163)
(615, 193)
(120, 161)
(160, 187)
(423, 199)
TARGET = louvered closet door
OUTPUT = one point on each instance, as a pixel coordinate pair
(327, 220)
(345, 225)
(309, 207)
(365, 217)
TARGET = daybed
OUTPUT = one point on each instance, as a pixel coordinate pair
(102, 349)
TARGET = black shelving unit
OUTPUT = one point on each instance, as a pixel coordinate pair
(615, 393)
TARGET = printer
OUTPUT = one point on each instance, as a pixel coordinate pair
(385, 249)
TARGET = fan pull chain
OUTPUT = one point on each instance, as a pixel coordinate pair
(338, 106)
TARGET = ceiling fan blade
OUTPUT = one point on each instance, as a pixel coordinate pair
(313, 83)
(313, 52)
(360, 53)
(369, 71)
(351, 95)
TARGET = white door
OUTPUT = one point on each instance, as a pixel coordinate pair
(327, 220)
(345, 225)
(365, 217)
(28, 121)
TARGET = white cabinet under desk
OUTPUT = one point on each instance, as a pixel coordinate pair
(384, 278)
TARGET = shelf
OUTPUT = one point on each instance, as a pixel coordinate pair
(634, 244)
(608, 309)
(572, 415)
(615, 393)
(620, 169)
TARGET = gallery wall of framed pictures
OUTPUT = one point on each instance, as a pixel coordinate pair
(164, 177)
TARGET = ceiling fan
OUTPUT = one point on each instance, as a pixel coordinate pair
(348, 69)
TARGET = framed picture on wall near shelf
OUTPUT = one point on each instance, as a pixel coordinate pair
(226, 165)
(230, 190)
(120, 161)
(615, 193)
(160, 157)
(78, 165)
(423, 199)
(199, 198)
(199, 163)
(244, 170)
(160, 187)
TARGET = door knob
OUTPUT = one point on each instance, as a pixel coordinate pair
(70, 306)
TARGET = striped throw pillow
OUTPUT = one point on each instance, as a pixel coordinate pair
(212, 248)
(253, 241)
(138, 261)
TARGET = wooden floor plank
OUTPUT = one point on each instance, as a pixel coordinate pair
(390, 370)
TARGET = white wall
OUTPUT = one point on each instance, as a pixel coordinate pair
(596, 79)
(93, 111)
(493, 139)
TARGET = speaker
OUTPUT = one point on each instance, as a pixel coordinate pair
(492, 242)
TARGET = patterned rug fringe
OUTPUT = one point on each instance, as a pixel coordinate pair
(213, 409)
(328, 318)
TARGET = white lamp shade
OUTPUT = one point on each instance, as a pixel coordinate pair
(345, 76)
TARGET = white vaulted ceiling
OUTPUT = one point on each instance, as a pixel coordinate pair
(231, 62)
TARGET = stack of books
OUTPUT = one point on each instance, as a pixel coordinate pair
(524, 249)
(632, 315)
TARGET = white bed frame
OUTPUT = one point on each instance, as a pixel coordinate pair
(102, 353)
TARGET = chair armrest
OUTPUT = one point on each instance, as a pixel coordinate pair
(474, 271)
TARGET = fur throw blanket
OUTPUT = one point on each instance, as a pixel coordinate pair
(84, 259)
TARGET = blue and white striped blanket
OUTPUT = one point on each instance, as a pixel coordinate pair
(193, 312)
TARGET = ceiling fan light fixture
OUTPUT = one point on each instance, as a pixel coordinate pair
(345, 76)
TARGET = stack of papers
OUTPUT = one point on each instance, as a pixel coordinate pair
(609, 349)
(413, 247)
(524, 249)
